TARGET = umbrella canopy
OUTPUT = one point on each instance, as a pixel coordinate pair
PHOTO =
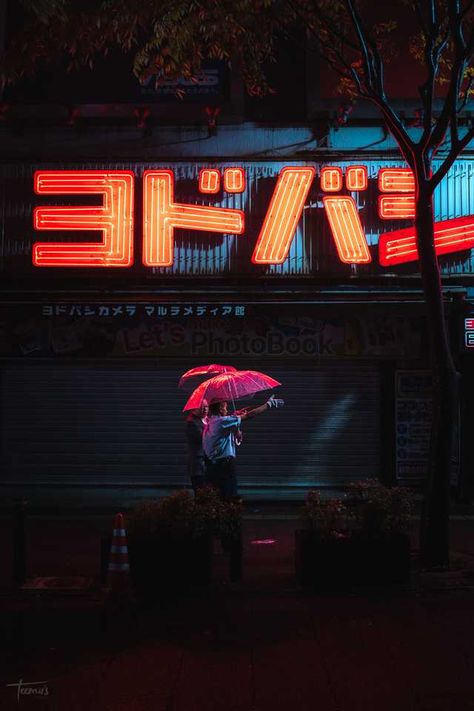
(192, 378)
(230, 386)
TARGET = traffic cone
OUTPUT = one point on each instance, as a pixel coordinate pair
(118, 571)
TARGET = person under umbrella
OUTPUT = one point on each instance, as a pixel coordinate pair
(195, 424)
(230, 386)
(219, 443)
(197, 418)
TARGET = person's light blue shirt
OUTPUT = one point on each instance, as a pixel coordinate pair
(219, 436)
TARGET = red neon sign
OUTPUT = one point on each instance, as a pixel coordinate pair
(331, 179)
(162, 215)
(114, 218)
(209, 180)
(343, 215)
(234, 180)
(397, 207)
(399, 247)
(396, 180)
(283, 215)
(357, 178)
(347, 230)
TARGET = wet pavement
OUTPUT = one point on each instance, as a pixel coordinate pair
(263, 643)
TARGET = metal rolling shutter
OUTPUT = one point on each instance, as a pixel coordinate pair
(328, 433)
(71, 423)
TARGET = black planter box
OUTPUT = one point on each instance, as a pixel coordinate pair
(168, 564)
(382, 560)
(340, 563)
(322, 564)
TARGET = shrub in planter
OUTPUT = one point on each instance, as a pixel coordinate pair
(378, 510)
(361, 540)
(323, 547)
(380, 517)
(170, 543)
(230, 534)
(171, 540)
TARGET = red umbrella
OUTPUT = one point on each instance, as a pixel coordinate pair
(230, 386)
(191, 378)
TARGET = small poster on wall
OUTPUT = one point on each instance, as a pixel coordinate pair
(413, 413)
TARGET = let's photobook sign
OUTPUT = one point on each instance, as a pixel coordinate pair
(162, 215)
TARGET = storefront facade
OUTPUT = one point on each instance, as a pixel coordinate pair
(302, 288)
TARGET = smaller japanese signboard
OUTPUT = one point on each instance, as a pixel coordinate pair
(469, 333)
(413, 413)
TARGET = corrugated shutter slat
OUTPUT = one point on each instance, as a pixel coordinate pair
(123, 424)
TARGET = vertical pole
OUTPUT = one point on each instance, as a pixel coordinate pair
(19, 542)
(235, 560)
(3, 21)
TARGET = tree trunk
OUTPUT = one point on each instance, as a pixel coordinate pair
(435, 521)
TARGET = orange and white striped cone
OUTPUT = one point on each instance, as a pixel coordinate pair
(118, 571)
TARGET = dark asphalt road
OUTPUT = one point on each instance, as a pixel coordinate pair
(259, 645)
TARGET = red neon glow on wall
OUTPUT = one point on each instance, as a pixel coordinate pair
(114, 218)
(209, 180)
(234, 180)
(331, 179)
(357, 178)
(399, 247)
(397, 207)
(396, 180)
(283, 215)
(347, 229)
(161, 216)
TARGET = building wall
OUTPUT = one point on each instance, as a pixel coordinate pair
(90, 358)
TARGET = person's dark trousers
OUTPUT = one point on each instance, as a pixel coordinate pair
(197, 472)
(221, 475)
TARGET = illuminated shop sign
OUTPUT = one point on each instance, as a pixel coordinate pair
(469, 332)
(162, 215)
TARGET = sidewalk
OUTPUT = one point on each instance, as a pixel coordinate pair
(262, 644)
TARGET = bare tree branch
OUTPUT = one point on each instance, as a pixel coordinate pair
(374, 90)
(357, 81)
(448, 117)
(363, 43)
(450, 159)
(395, 126)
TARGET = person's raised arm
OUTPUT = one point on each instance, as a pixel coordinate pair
(272, 402)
